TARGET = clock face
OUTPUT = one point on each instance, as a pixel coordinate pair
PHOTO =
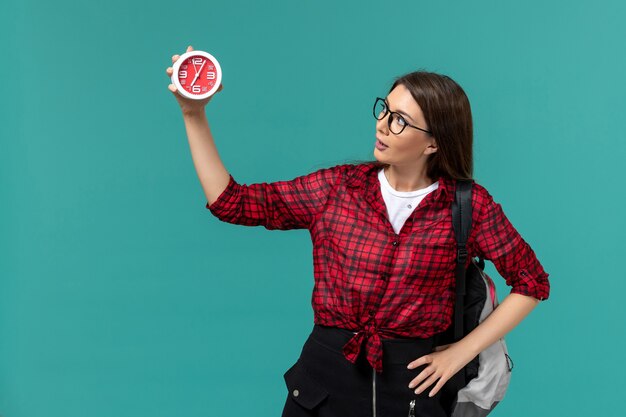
(196, 74)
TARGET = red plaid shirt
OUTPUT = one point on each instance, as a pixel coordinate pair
(368, 279)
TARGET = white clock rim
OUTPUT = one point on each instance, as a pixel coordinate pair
(180, 88)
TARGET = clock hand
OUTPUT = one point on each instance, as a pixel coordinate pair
(195, 69)
(198, 73)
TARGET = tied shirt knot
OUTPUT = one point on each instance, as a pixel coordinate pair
(373, 346)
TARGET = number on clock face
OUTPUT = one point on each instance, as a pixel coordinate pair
(197, 75)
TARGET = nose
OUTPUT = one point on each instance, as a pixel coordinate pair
(382, 125)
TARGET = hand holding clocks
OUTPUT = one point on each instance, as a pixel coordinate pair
(195, 76)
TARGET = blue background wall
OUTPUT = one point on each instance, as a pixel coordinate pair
(120, 293)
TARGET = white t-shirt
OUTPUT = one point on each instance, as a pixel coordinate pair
(400, 204)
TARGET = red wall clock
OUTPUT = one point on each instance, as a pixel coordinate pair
(196, 74)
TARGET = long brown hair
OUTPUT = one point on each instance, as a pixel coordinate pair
(448, 115)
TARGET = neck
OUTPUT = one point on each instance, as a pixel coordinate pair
(407, 178)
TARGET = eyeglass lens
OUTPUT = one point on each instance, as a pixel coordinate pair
(380, 109)
(396, 123)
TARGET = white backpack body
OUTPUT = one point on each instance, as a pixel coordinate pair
(485, 391)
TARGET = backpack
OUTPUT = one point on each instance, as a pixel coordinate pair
(481, 384)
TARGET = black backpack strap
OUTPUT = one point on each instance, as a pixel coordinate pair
(462, 223)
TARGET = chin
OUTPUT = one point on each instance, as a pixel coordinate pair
(380, 158)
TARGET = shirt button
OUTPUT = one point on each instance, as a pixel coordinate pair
(371, 313)
(394, 243)
(296, 392)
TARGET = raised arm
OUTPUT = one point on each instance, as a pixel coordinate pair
(211, 172)
(292, 204)
(283, 205)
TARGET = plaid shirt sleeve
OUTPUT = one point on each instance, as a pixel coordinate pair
(497, 240)
(280, 205)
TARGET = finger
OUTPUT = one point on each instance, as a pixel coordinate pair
(420, 361)
(172, 88)
(169, 71)
(442, 347)
(189, 48)
(422, 376)
(175, 58)
(438, 386)
(427, 383)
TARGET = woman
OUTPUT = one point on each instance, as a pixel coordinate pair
(384, 253)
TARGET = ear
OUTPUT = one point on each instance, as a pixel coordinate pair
(432, 148)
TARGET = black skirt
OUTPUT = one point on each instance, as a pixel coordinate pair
(324, 383)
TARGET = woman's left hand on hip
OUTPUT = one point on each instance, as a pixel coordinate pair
(443, 363)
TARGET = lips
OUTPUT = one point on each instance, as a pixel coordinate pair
(381, 142)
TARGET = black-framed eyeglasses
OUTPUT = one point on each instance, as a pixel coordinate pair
(397, 123)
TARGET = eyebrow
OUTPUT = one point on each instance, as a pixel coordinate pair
(400, 111)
